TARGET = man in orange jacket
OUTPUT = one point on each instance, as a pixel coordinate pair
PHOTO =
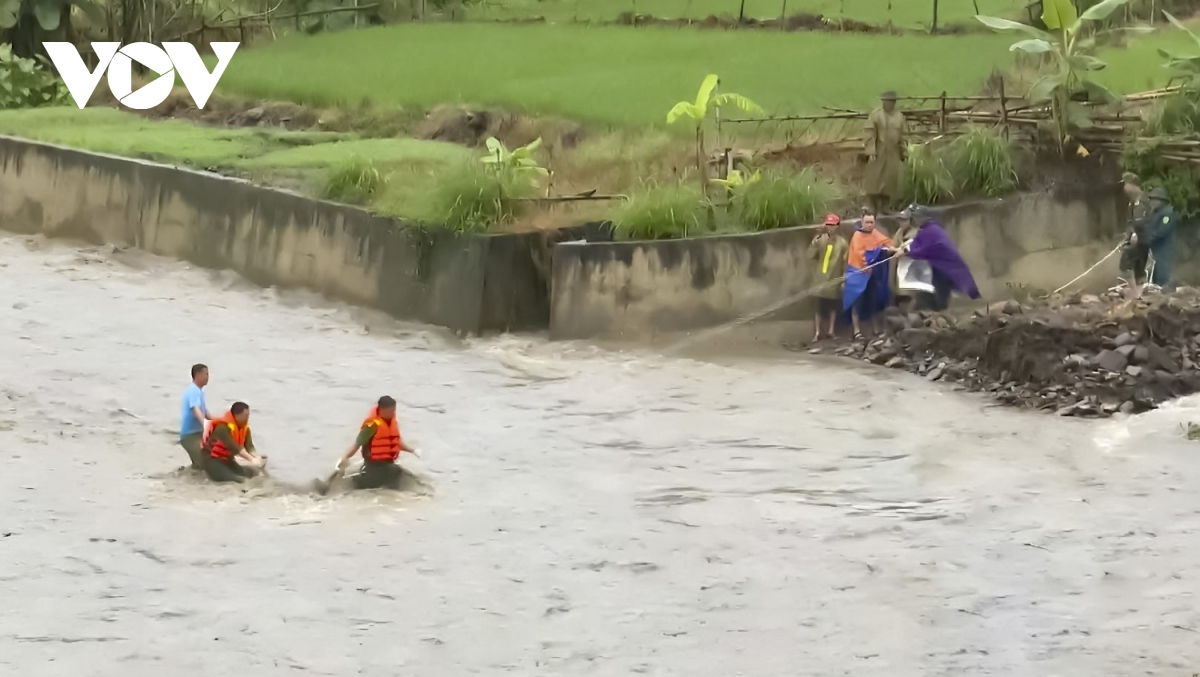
(380, 442)
(229, 437)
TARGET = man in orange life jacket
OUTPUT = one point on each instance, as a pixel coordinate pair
(229, 437)
(381, 444)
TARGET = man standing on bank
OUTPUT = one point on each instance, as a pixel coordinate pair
(885, 148)
(192, 416)
(380, 442)
(1135, 252)
(1160, 236)
(828, 252)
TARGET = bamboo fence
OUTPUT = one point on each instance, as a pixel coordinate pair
(840, 130)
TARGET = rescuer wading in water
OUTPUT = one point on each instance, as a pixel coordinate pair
(380, 442)
(229, 437)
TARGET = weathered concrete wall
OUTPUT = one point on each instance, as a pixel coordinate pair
(468, 283)
(635, 290)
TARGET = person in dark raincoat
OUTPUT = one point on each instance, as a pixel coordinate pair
(1160, 235)
(949, 272)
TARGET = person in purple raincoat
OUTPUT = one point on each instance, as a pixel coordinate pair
(932, 245)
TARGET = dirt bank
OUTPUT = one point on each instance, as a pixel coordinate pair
(464, 125)
(1085, 355)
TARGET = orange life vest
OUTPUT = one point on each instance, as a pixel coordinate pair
(385, 445)
(219, 451)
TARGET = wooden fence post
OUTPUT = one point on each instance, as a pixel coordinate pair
(942, 115)
(1003, 108)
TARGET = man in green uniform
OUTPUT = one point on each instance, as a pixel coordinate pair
(885, 148)
(380, 442)
(906, 229)
(1135, 253)
(1160, 237)
(228, 439)
(828, 252)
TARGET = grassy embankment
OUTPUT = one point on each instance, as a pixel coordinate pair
(618, 82)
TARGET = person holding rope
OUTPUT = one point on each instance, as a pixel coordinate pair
(1160, 237)
(828, 250)
(865, 294)
(932, 247)
(1135, 250)
(905, 294)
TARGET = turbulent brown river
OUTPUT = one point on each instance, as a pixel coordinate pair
(593, 512)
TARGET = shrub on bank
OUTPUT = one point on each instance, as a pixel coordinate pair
(755, 203)
(355, 181)
(983, 163)
(926, 179)
(474, 198)
(28, 83)
(1175, 116)
(662, 212)
(781, 200)
(978, 163)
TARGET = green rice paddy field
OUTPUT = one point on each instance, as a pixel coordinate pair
(904, 13)
(631, 77)
(624, 79)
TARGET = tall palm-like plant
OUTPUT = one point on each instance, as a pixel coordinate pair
(708, 100)
(1071, 50)
(1187, 67)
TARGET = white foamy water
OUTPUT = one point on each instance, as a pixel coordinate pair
(595, 512)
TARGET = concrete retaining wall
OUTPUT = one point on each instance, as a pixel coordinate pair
(469, 283)
(635, 290)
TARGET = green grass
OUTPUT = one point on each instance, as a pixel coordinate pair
(906, 13)
(409, 166)
(612, 75)
(110, 131)
(1138, 66)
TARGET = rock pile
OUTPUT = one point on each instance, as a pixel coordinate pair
(1084, 355)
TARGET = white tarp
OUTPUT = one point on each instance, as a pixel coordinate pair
(913, 275)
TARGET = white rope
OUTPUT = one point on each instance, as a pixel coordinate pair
(707, 333)
(1089, 270)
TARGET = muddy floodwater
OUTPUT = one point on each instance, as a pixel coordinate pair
(594, 512)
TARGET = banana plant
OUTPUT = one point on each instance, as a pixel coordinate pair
(1187, 67)
(737, 180)
(1073, 64)
(735, 186)
(47, 13)
(520, 160)
(708, 100)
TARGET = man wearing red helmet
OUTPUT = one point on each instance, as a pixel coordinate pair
(828, 253)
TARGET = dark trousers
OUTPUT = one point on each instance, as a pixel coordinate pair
(192, 445)
(1133, 260)
(1162, 266)
(377, 475)
(226, 471)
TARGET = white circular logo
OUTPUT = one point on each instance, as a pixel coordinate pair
(120, 75)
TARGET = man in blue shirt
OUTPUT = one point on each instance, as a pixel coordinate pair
(193, 412)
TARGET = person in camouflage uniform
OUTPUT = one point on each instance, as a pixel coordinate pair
(1135, 253)
(1159, 235)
